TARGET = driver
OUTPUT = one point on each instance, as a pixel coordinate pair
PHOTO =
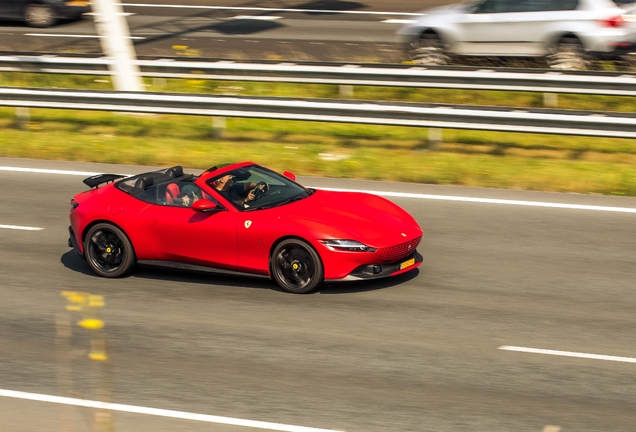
(238, 192)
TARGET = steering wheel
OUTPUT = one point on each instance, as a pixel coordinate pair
(260, 189)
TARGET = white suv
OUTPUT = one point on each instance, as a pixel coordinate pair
(567, 33)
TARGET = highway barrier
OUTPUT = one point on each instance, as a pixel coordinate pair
(465, 78)
(546, 121)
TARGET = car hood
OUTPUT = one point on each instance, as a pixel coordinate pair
(368, 218)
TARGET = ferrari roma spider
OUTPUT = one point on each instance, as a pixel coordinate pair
(240, 219)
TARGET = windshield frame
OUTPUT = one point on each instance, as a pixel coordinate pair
(288, 190)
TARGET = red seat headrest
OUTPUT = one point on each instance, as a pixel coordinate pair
(172, 193)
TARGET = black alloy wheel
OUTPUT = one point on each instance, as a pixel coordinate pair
(428, 49)
(296, 267)
(108, 251)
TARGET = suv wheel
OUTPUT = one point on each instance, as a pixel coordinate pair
(39, 15)
(569, 54)
(428, 49)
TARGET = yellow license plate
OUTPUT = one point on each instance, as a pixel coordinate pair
(77, 3)
(408, 263)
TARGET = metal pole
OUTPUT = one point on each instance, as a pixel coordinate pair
(112, 28)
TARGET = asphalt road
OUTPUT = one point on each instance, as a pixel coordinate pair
(412, 353)
(329, 31)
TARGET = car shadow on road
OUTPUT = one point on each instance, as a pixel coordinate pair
(329, 7)
(204, 278)
(73, 262)
(368, 285)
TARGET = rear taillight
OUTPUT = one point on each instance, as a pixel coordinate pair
(74, 204)
(616, 21)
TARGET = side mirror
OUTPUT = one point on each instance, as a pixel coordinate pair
(204, 205)
(289, 175)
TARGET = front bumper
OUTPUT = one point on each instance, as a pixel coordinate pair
(376, 271)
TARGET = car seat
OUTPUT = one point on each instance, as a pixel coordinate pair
(172, 193)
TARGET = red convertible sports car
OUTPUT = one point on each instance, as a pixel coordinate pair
(240, 219)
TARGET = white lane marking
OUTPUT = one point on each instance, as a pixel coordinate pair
(74, 36)
(158, 412)
(568, 354)
(256, 17)
(391, 194)
(23, 228)
(261, 9)
(121, 14)
(398, 21)
(492, 201)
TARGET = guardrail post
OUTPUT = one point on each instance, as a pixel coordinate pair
(550, 100)
(218, 127)
(346, 90)
(159, 83)
(434, 138)
(23, 116)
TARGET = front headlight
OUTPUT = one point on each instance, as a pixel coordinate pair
(347, 245)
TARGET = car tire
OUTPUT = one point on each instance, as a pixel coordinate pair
(428, 49)
(569, 54)
(39, 15)
(108, 251)
(296, 266)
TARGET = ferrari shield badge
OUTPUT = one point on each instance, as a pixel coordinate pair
(248, 223)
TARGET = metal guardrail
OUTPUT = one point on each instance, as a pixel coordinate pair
(546, 121)
(597, 83)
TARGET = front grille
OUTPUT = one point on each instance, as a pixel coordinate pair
(402, 250)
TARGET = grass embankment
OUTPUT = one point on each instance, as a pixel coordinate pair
(471, 158)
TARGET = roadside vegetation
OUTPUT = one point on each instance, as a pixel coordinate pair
(470, 158)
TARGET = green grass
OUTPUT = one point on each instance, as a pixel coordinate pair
(471, 158)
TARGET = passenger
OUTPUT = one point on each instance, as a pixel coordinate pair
(239, 193)
(189, 194)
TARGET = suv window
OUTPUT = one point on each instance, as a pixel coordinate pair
(491, 6)
(502, 6)
(566, 4)
(529, 5)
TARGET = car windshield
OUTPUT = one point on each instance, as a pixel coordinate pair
(270, 188)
